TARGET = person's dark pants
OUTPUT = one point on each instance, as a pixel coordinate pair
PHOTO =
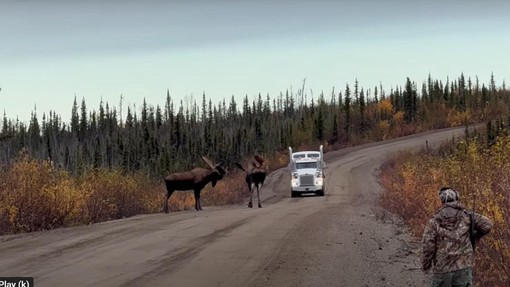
(459, 278)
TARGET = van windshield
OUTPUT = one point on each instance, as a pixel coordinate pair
(301, 165)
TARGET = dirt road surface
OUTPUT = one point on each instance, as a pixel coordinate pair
(340, 239)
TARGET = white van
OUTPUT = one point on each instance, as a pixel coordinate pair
(307, 172)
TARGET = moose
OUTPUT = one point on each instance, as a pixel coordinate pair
(255, 176)
(195, 179)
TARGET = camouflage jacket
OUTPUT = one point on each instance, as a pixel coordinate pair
(446, 245)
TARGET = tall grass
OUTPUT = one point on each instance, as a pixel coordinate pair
(36, 196)
(411, 182)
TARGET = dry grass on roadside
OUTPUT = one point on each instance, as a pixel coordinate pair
(36, 196)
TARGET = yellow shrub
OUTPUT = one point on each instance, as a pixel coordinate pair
(113, 195)
(384, 107)
(35, 196)
(383, 129)
(457, 118)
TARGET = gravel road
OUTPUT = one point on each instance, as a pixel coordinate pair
(341, 239)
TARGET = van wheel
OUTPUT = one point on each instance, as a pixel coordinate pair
(293, 193)
(320, 192)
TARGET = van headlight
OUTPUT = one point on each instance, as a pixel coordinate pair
(295, 175)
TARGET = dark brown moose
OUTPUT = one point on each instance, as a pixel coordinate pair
(195, 179)
(255, 176)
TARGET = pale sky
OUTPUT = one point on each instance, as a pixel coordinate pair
(51, 51)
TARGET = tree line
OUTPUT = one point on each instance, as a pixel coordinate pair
(161, 139)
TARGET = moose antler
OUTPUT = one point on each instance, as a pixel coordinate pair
(259, 159)
(239, 166)
(209, 162)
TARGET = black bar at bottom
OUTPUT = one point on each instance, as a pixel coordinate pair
(16, 281)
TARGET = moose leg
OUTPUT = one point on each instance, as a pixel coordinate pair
(197, 200)
(250, 186)
(165, 204)
(258, 195)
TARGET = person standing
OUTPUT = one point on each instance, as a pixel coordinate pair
(446, 244)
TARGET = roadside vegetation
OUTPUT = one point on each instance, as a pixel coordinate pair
(478, 167)
(110, 163)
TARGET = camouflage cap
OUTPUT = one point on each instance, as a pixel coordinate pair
(448, 194)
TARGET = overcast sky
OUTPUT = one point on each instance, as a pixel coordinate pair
(51, 51)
